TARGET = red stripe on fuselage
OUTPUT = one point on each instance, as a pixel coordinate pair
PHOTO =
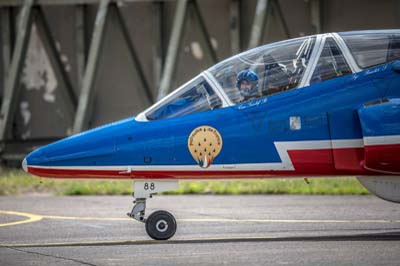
(76, 173)
(313, 161)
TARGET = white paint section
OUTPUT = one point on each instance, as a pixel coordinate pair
(49, 90)
(382, 140)
(26, 117)
(197, 51)
(25, 113)
(64, 60)
(214, 43)
(37, 73)
(347, 143)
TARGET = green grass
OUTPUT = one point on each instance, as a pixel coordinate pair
(17, 182)
(316, 186)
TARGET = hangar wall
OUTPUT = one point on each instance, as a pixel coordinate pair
(68, 55)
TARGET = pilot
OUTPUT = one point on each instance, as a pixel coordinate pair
(247, 83)
(229, 85)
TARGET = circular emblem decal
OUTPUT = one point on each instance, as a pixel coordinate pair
(204, 143)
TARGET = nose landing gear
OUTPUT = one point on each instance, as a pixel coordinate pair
(160, 225)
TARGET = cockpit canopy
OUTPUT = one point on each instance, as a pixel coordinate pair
(278, 67)
(198, 96)
(373, 48)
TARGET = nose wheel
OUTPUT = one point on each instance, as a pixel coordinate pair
(160, 225)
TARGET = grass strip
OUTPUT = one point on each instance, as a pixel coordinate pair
(15, 182)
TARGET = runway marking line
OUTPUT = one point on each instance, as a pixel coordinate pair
(37, 217)
(31, 218)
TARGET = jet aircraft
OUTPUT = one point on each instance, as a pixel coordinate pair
(322, 105)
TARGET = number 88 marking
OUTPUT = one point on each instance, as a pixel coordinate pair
(147, 187)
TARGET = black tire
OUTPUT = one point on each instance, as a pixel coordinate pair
(161, 225)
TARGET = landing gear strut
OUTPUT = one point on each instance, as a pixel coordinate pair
(160, 225)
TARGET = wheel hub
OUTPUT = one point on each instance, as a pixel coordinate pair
(162, 226)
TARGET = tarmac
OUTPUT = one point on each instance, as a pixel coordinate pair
(212, 230)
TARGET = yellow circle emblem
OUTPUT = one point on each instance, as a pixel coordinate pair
(204, 143)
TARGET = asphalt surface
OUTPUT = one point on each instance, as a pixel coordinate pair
(212, 230)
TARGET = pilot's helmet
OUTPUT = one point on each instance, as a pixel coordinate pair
(251, 77)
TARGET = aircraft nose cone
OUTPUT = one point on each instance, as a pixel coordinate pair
(25, 165)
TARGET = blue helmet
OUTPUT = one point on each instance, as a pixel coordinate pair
(252, 78)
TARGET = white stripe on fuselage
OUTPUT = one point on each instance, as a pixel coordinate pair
(382, 140)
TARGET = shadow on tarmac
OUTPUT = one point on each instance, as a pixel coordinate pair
(388, 236)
